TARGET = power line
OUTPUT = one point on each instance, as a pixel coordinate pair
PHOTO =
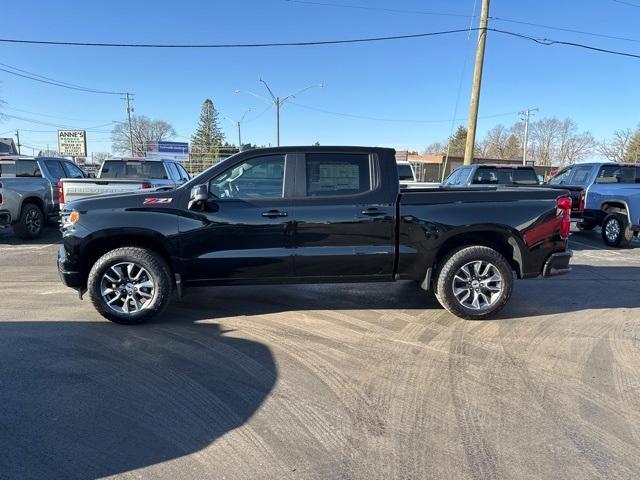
(232, 45)
(50, 81)
(448, 14)
(394, 120)
(627, 3)
(548, 42)
(53, 116)
(94, 128)
(542, 41)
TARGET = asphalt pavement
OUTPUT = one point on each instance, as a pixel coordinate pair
(370, 381)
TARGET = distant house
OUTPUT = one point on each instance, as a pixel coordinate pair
(8, 147)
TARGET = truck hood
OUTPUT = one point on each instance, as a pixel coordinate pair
(139, 198)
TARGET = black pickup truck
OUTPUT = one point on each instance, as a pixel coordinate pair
(311, 215)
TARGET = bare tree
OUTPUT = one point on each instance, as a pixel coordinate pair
(573, 146)
(143, 131)
(616, 149)
(436, 148)
(502, 143)
(544, 137)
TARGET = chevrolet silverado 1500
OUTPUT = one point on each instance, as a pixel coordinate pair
(310, 215)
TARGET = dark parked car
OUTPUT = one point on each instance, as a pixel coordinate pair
(309, 215)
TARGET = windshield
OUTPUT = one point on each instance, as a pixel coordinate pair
(130, 170)
(405, 172)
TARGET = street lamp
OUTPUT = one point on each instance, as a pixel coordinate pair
(278, 101)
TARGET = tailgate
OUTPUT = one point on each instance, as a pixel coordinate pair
(75, 189)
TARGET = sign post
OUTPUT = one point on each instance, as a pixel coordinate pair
(72, 143)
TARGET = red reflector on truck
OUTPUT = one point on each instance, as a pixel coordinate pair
(60, 193)
(564, 205)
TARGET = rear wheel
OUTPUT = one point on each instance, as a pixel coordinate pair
(129, 285)
(474, 282)
(30, 223)
(616, 231)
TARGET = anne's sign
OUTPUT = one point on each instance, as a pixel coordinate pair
(72, 143)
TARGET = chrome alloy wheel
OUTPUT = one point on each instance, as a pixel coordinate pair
(127, 287)
(478, 285)
(612, 230)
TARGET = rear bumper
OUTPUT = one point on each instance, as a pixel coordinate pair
(69, 274)
(557, 264)
(5, 218)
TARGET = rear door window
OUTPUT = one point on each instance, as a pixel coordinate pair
(55, 169)
(27, 168)
(73, 171)
(405, 173)
(581, 175)
(337, 174)
(173, 171)
(562, 177)
(453, 178)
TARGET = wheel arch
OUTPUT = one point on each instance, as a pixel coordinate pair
(616, 206)
(107, 241)
(500, 239)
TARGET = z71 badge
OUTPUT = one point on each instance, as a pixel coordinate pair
(156, 201)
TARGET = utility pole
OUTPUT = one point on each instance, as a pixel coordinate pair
(278, 102)
(527, 114)
(238, 123)
(477, 83)
(18, 138)
(129, 110)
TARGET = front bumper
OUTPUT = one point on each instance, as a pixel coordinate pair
(5, 218)
(557, 264)
(69, 274)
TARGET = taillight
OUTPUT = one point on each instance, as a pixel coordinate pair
(564, 205)
(146, 185)
(60, 192)
(582, 198)
(1, 200)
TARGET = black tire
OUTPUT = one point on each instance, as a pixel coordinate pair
(586, 226)
(616, 231)
(30, 223)
(453, 263)
(155, 267)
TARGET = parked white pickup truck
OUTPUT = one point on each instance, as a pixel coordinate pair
(119, 175)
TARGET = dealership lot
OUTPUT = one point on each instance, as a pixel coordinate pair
(348, 381)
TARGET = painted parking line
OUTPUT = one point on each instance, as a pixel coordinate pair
(25, 247)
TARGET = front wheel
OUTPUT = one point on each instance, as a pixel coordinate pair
(129, 285)
(616, 231)
(474, 282)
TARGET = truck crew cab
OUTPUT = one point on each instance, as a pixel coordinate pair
(310, 215)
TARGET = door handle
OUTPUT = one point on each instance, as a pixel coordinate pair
(373, 212)
(274, 214)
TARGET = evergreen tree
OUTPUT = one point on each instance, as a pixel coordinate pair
(457, 142)
(208, 137)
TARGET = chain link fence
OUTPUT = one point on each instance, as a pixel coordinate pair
(201, 161)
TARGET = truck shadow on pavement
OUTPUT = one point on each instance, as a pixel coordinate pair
(89, 399)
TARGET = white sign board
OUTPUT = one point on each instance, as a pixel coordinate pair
(72, 143)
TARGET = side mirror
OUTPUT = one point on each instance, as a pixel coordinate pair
(199, 195)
